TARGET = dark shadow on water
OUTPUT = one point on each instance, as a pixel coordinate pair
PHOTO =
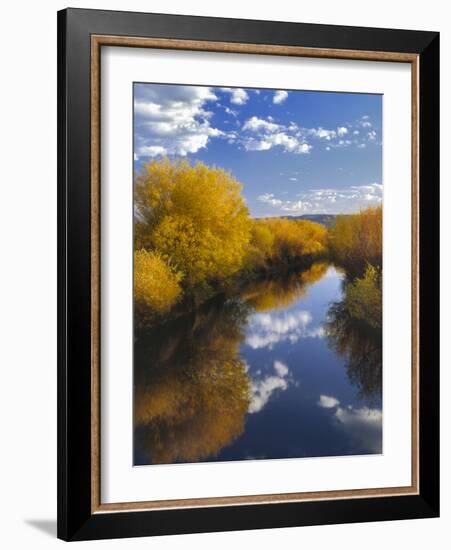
(46, 526)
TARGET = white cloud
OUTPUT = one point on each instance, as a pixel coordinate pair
(322, 133)
(256, 124)
(292, 206)
(342, 136)
(263, 389)
(289, 143)
(152, 150)
(230, 111)
(281, 368)
(328, 402)
(304, 148)
(280, 96)
(257, 145)
(172, 119)
(267, 329)
(364, 415)
(269, 199)
(327, 200)
(364, 425)
(238, 96)
(266, 134)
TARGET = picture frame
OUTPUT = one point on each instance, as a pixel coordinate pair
(81, 36)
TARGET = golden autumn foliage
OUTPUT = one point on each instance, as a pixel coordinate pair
(156, 286)
(295, 238)
(195, 217)
(261, 244)
(283, 290)
(192, 391)
(193, 415)
(356, 239)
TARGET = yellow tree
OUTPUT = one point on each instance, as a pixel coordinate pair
(356, 239)
(195, 217)
(156, 286)
(295, 238)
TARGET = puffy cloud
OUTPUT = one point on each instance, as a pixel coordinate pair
(364, 425)
(296, 206)
(322, 133)
(175, 120)
(304, 148)
(263, 389)
(172, 119)
(289, 143)
(256, 124)
(230, 111)
(257, 145)
(280, 96)
(270, 199)
(152, 150)
(266, 134)
(328, 402)
(327, 200)
(343, 136)
(238, 96)
(281, 368)
(267, 329)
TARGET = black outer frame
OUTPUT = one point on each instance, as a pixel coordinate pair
(75, 520)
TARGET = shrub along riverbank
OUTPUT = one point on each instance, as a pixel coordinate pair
(194, 238)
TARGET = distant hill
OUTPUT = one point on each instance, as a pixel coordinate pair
(324, 219)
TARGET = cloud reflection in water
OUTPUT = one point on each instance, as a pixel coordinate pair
(261, 390)
(267, 329)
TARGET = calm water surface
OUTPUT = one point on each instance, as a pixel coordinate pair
(269, 374)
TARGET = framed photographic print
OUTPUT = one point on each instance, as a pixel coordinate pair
(248, 274)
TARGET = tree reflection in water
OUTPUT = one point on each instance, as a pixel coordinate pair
(357, 336)
(281, 291)
(191, 386)
(192, 390)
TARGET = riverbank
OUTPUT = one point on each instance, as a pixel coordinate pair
(235, 285)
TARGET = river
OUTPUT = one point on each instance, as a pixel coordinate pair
(272, 373)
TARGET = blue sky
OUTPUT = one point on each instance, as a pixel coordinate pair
(295, 152)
